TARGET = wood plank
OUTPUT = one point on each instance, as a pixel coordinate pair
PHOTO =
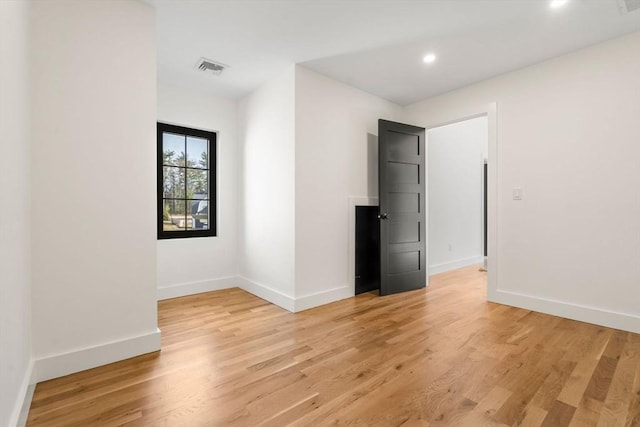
(533, 416)
(620, 395)
(559, 415)
(436, 356)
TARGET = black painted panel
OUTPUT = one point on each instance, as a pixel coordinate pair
(367, 249)
(404, 232)
(404, 173)
(404, 262)
(404, 202)
(402, 145)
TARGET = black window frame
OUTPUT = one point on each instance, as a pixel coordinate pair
(212, 201)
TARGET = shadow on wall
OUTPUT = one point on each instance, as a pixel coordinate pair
(372, 165)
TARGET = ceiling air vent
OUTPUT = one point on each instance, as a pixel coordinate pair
(209, 66)
(627, 6)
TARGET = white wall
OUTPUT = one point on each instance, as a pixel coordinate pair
(336, 158)
(267, 190)
(456, 154)
(187, 266)
(94, 183)
(568, 134)
(15, 292)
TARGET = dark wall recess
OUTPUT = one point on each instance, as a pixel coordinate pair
(367, 249)
(485, 208)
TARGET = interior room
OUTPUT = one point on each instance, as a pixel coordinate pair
(182, 186)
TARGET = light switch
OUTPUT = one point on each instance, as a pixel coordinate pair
(517, 193)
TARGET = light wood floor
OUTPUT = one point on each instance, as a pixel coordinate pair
(441, 356)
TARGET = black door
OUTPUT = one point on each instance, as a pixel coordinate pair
(402, 207)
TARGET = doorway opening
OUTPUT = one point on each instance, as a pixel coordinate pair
(459, 114)
(457, 159)
(489, 172)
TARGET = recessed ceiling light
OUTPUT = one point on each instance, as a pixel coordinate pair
(558, 3)
(429, 58)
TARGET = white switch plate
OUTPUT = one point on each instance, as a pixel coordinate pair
(517, 193)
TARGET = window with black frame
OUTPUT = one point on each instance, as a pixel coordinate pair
(186, 182)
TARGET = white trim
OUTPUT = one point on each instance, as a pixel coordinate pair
(26, 406)
(354, 201)
(454, 265)
(22, 398)
(266, 293)
(191, 288)
(492, 200)
(271, 295)
(597, 316)
(324, 297)
(59, 365)
(427, 206)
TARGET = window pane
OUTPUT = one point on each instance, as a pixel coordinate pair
(197, 152)
(173, 149)
(174, 184)
(197, 184)
(174, 217)
(187, 160)
(199, 219)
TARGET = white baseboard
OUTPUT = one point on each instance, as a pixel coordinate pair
(26, 406)
(23, 397)
(594, 315)
(325, 297)
(265, 292)
(191, 288)
(454, 265)
(269, 294)
(59, 365)
(294, 304)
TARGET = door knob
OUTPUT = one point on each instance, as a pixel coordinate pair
(382, 216)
